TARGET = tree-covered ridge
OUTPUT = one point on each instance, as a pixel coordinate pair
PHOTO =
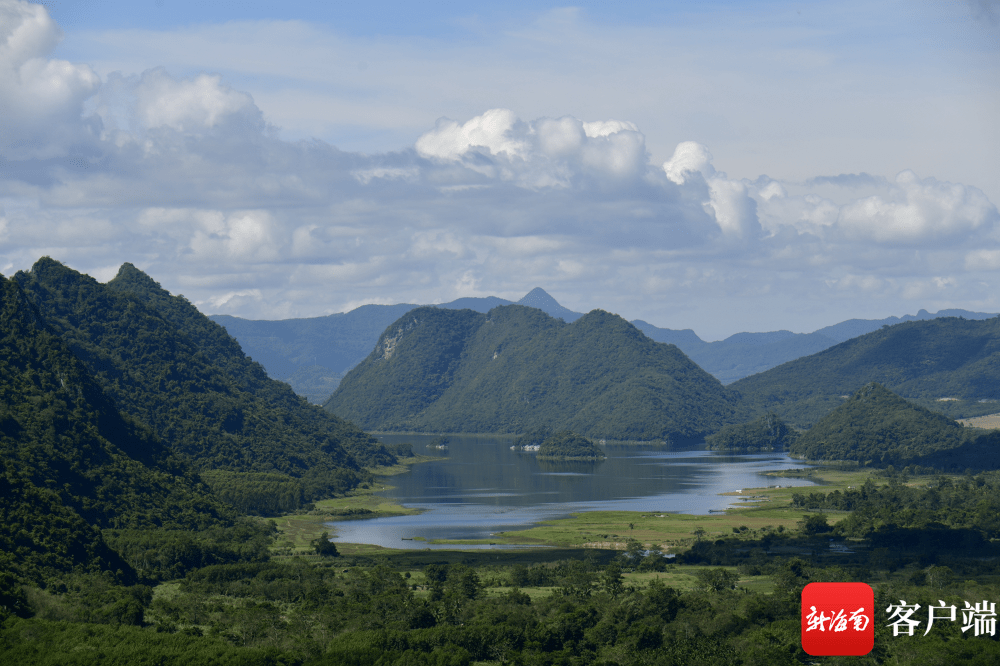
(214, 342)
(569, 445)
(211, 405)
(71, 463)
(765, 433)
(412, 365)
(876, 427)
(515, 369)
(922, 361)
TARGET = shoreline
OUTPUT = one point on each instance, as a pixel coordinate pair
(760, 510)
(297, 530)
(749, 511)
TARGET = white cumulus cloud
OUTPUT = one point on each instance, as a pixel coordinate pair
(493, 130)
(914, 210)
(41, 98)
(734, 210)
(188, 105)
(182, 175)
(546, 152)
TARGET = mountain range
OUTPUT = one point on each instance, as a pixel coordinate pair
(72, 464)
(313, 354)
(949, 365)
(516, 369)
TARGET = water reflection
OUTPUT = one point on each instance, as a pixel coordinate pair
(480, 486)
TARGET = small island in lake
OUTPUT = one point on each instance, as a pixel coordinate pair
(568, 446)
(441, 442)
(767, 433)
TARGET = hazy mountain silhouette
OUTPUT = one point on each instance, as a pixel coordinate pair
(313, 354)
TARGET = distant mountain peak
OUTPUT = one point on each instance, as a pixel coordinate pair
(539, 298)
(129, 274)
(46, 265)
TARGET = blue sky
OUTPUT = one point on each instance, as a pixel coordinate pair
(440, 20)
(720, 166)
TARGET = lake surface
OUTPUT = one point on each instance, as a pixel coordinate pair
(479, 486)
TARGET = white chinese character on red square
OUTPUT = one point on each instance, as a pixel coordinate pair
(834, 621)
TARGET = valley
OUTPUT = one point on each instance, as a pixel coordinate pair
(166, 499)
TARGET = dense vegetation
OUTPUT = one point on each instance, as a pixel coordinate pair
(916, 543)
(569, 445)
(924, 361)
(516, 369)
(89, 489)
(877, 428)
(166, 365)
(930, 516)
(71, 463)
(767, 433)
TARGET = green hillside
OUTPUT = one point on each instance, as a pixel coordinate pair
(922, 361)
(169, 367)
(875, 427)
(72, 464)
(516, 369)
(214, 343)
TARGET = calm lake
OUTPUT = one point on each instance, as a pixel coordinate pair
(479, 486)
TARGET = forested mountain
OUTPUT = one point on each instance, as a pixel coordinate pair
(742, 354)
(875, 427)
(72, 464)
(313, 354)
(854, 328)
(516, 369)
(950, 365)
(172, 369)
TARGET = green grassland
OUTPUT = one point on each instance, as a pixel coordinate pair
(297, 530)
